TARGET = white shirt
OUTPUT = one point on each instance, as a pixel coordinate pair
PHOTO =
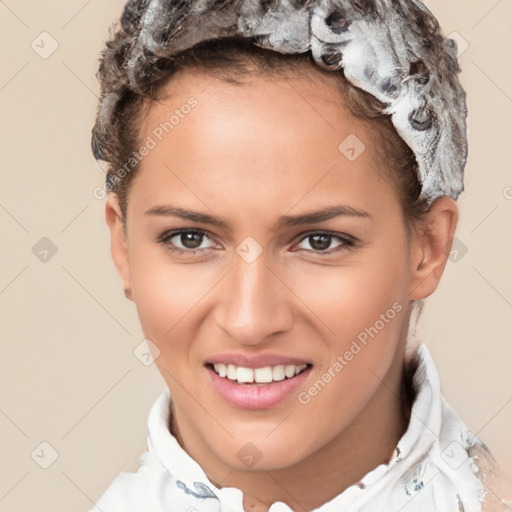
(438, 465)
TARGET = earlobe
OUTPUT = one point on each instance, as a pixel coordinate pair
(118, 242)
(432, 247)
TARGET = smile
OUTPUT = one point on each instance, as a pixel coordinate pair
(259, 387)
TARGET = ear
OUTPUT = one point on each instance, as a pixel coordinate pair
(118, 241)
(431, 246)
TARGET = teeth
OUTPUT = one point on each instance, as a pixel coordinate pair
(299, 369)
(263, 374)
(244, 374)
(289, 370)
(231, 372)
(258, 375)
(278, 372)
(221, 369)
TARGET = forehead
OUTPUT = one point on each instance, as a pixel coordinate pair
(277, 137)
(283, 94)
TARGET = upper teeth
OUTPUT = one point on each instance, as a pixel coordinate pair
(257, 375)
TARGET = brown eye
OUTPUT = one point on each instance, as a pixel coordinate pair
(322, 242)
(191, 240)
(185, 241)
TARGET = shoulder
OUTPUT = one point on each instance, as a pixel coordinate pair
(136, 491)
(440, 460)
(497, 495)
(470, 464)
(152, 488)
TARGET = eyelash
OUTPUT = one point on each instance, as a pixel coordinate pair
(347, 241)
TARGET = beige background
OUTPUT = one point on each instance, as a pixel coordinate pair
(68, 374)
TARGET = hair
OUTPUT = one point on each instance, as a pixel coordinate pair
(229, 59)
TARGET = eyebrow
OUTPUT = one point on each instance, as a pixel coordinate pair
(284, 221)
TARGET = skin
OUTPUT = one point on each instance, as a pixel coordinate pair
(249, 154)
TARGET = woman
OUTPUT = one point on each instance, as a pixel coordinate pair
(282, 184)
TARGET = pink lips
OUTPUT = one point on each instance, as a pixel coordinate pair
(253, 396)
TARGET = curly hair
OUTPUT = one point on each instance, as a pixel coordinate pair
(146, 48)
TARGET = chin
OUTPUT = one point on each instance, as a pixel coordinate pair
(260, 453)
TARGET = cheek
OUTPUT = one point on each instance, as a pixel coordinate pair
(363, 305)
(168, 296)
(349, 298)
(356, 362)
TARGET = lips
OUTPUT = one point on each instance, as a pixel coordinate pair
(256, 382)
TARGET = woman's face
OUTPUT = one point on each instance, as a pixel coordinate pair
(262, 234)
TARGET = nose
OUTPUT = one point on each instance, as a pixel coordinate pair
(254, 304)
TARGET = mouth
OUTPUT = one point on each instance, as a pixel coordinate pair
(261, 387)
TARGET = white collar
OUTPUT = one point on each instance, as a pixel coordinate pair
(430, 465)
